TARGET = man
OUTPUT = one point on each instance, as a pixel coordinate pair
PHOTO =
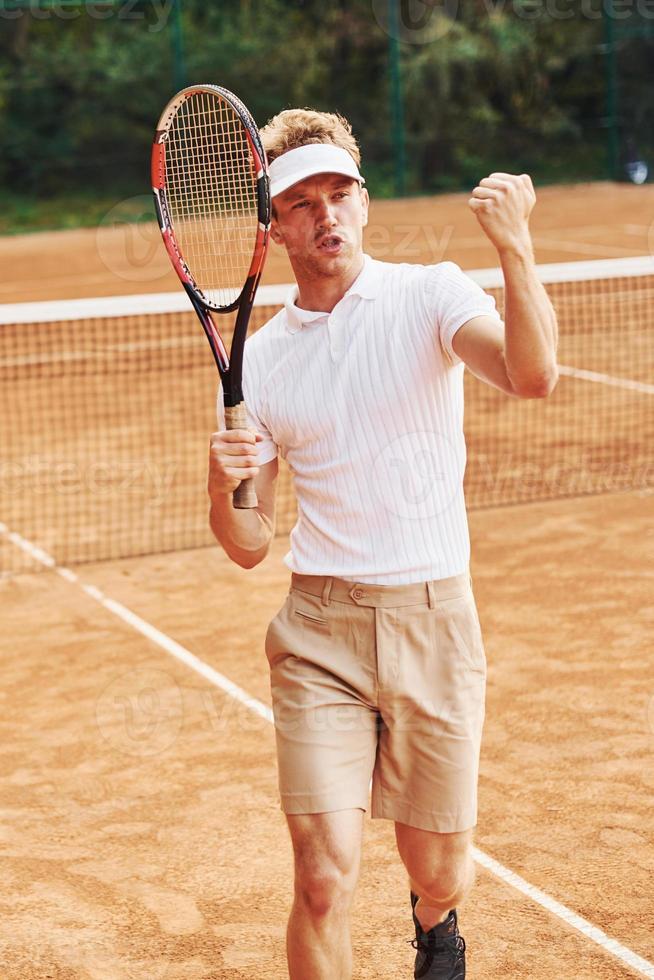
(377, 662)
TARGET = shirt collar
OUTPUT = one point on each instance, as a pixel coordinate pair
(366, 285)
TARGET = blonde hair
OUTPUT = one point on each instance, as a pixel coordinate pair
(298, 127)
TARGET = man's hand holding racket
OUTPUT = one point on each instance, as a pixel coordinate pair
(244, 533)
(232, 459)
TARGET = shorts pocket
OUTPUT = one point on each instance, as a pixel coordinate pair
(459, 620)
(308, 611)
(311, 618)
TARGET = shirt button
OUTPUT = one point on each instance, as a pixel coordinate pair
(358, 594)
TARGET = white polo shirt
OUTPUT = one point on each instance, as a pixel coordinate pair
(366, 405)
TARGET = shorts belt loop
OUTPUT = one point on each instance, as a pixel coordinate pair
(326, 591)
(431, 593)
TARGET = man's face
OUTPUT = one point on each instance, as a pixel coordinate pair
(320, 222)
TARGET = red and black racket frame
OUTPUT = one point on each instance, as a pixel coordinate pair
(230, 366)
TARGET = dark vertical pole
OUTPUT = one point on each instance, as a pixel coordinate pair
(613, 139)
(397, 107)
(177, 31)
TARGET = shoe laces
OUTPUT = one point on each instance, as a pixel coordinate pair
(448, 947)
(437, 944)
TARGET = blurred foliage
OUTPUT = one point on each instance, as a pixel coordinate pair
(497, 86)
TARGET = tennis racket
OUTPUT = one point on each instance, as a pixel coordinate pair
(212, 197)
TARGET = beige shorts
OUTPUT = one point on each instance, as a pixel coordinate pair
(381, 682)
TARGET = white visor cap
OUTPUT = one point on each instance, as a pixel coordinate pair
(307, 161)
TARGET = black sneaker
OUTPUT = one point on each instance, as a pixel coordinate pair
(441, 951)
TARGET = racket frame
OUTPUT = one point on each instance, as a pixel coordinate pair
(229, 364)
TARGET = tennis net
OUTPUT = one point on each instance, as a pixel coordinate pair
(106, 406)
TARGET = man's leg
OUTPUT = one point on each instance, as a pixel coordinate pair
(327, 851)
(440, 867)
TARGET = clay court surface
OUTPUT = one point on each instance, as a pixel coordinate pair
(588, 221)
(141, 835)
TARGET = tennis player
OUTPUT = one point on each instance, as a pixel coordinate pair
(376, 658)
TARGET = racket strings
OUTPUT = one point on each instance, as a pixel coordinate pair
(211, 187)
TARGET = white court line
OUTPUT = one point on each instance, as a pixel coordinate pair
(607, 379)
(579, 248)
(141, 626)
(571, 918)
(587, 929)
(197, 340)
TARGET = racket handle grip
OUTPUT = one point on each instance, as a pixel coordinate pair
(244, 497)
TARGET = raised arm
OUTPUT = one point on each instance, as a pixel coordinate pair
(521, 359)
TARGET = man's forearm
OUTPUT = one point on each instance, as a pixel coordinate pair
(245, 535)
(531, 333)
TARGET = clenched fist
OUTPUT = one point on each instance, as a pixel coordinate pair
(502, 204)
(232, 458)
